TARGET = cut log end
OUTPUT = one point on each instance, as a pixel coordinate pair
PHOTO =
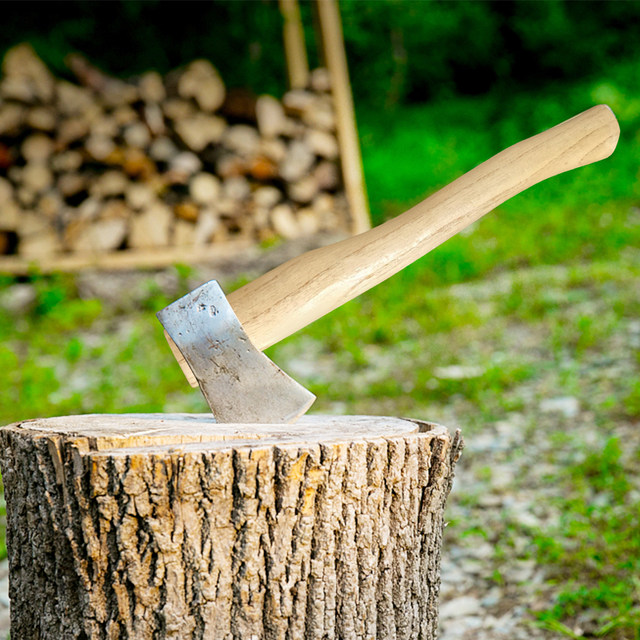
(169, 525)
(175, 149)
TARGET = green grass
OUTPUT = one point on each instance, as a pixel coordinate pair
(595, 551)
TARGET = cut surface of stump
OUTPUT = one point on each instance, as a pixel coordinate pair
(172, 526)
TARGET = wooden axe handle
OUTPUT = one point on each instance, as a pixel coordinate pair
(186, 369)
(305, 288)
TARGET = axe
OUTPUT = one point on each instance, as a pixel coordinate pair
(218, 339)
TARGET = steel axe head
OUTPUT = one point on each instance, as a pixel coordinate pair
(238, 381)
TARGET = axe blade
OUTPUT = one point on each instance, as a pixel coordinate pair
(238, 381)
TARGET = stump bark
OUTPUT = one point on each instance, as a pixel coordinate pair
(162, 526)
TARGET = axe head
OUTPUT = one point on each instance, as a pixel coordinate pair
(238, 381)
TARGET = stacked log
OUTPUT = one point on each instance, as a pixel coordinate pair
(102, 164)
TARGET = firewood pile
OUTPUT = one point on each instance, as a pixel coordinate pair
(101, 165)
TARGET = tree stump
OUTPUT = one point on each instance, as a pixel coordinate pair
(171, 526)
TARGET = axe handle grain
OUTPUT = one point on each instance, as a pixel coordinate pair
(186, 369)
(305, 288)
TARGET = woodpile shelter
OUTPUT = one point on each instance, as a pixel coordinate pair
(163, 169)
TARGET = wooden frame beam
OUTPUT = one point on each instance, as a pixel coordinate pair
(336, 60)
(294, 46)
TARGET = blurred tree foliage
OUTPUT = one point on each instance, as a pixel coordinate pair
(400, 51)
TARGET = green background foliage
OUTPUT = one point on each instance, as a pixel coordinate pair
(405, 51)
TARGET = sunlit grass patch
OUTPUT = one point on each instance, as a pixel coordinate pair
(594, 551)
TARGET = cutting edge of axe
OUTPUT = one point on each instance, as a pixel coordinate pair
(291, 296)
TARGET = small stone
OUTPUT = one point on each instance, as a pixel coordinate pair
(321, 116)
(72, 99)
(263, 169)
(491, 599)
(527, 519)
(260, 217)
(228, 208)
(229, 165)
(137, 135)
(201, 81)
(99, 147)
(568, 406)
(267, 197)
(101, 236)
(73, 129)
(151, 227)
(10, 214)
(324, 203)
(69, 184)
(178, 109)
(295, 129)
(327, 175)
(284, 222)
(297, 101)
(186, 162)
(236, 188)
(11, 118)
(105, 127)
(490, 501)
(162, 149)
(154, 119)
(241, 139)
(151, 87)
(42, 118)
(458, 372)
(270, 116)
(110, 183)
(115, 209)
(37, 177)
(117, 93)
(274, 149)
(136, 163)
(460, 608)
(307, 221)
(303, 190)
(200, 130)
(322, 144)
(207, 224)
(320, 80)
(17, 88)
(187, 211)
(50, 204)
(297, 162)
(125, 115)
(183, 233)
(37, 148)
(6, 191)
(66, 161)
(521, 571)
(39, 245)
(26, 197)
(21, 62)
(18, 298)
(15, 174)
(139, 195)
(89, 209)
(204, 188)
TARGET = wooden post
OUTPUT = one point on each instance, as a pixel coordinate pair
(336, 61)
(171, 526)
(294, 46)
